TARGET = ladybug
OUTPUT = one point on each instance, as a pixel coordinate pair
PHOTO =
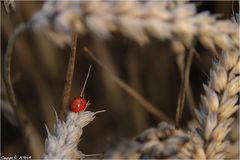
(78, 104)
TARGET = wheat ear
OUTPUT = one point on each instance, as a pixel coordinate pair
(62, 144)
(176, 21)
(163, 142)
(218, 104)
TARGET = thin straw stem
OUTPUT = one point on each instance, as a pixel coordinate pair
(85, 83)
(140, 99)
(184, 87)
(69, 78)
(27, 128)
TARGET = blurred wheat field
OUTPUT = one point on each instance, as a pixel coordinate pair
(126, 38)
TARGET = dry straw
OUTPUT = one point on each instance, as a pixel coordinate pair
(29, 131)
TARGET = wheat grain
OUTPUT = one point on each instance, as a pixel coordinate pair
(62, 144)
(165, 20)
(233, 148)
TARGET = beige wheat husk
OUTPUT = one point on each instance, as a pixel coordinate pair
(165, 20)
(62, 144)
(219, 103)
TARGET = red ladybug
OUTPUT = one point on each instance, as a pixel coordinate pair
(78, 104)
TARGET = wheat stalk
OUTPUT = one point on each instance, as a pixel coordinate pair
(62, 144)
(28, 129)
(69, 78)
(144, 103)
(166, 20)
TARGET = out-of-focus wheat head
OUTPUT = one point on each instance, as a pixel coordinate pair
(62, 144)
(9, 5)
(162, 142)
(166, 20)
